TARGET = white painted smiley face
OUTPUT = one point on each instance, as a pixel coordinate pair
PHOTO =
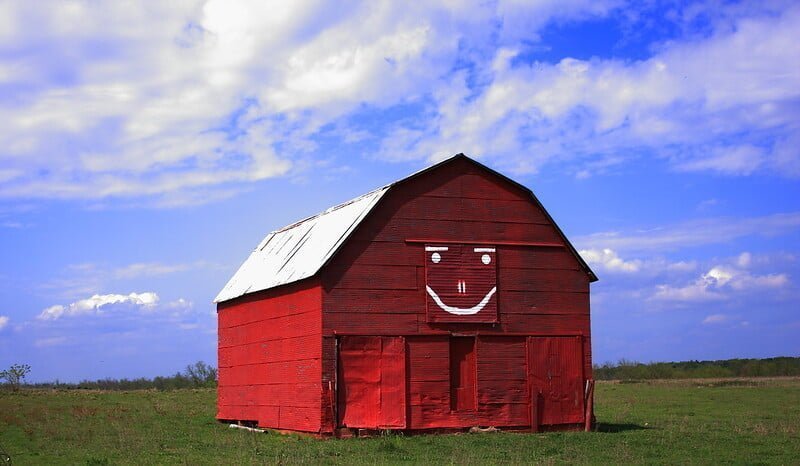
(457, 266)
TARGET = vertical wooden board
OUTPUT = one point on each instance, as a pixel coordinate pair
(537, 374)
(359, 381)
(329, 361)
(555, 367)
(587, 358)
(463, 374)
(572, 381)
(393, 383)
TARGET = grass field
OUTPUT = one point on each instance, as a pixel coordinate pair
(754, 421)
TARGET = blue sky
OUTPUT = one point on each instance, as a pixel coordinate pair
(147, 147)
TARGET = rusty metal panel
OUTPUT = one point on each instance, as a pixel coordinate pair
(461, 282)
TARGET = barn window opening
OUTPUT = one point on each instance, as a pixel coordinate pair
(463, 374)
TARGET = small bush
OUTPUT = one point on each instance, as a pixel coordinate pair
(15, 375)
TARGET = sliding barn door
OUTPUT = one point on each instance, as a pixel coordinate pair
(555, 375)
(372, 382)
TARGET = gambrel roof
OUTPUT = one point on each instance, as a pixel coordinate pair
(300, 250)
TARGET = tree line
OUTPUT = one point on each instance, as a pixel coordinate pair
(197, 375)
(632, 370)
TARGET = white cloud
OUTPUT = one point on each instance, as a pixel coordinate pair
(96, 303)
(715, 319)
(732, 86)
(3, 321)
(698, 291)
(607, 259)
(185, 97)
(720, 283)
(185, 102)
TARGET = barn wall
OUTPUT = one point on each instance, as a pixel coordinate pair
(375, 285)
(270, 365)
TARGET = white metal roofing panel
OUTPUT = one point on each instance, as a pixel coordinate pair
(299, 250)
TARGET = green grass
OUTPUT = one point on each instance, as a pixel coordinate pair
(743, 421)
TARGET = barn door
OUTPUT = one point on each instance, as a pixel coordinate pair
(372, 382)
(555, 375)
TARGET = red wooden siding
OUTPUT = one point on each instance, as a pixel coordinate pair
(376, 285)
(270, 358)
(371, 388)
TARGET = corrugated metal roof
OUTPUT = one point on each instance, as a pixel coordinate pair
(299, 250)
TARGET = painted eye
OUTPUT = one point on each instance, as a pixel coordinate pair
(435, 257)
(486, 258)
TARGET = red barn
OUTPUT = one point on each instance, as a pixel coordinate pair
(446, 300)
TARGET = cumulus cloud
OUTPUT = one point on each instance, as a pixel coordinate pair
(719, 283)
(607, 259)
(96, 304)
(3, 322)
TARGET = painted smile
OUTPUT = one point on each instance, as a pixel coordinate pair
(461, 311)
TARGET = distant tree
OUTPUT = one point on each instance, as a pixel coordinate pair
(201, 374)
(15, 375)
